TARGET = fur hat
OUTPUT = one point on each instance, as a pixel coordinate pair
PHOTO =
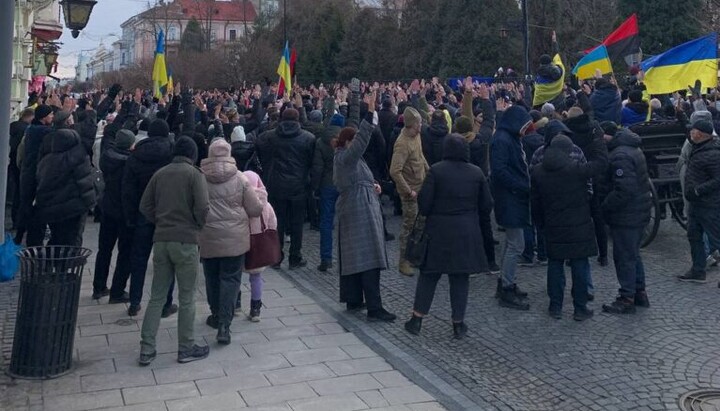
(124, 139)
(185, 147)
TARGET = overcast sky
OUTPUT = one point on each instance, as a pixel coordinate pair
(104, 20)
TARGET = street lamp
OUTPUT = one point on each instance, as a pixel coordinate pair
(77, 14)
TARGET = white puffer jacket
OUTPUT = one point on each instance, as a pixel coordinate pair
(232, 202)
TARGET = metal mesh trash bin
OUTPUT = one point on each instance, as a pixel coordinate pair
(50, 280)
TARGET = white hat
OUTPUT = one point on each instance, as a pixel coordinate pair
(238, 134)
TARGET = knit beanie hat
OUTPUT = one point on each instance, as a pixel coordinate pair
(547, 110)
(545, 59)
(60, 118)
(124, 139)
(315, 116)
(609, 127)
(536, 115)
(703, 126)
(185, 147)
(463, 124)
(238, 134)
(337, 120)
(411, 117)
(42, 111)
(158, 128)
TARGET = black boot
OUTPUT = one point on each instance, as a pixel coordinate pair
(255, 306)
(212, 321)
(621, 305)
(381, 315)
(414, 325)
(223, 334)
(325, 265)
(641, 299)
(459, 330)
(510, 299)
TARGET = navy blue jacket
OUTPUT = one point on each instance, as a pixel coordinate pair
(606, 103)
(634, 113)
(509, 171)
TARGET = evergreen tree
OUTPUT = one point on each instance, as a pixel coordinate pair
(192, 39)
(664, 23)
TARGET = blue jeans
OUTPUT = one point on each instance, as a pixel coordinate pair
(328, 197)
(514, 242)
(141, 248)
(628, 263)
(703, 234)
(579, 268)
(534, 237)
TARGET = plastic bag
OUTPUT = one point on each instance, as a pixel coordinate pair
(9, 260)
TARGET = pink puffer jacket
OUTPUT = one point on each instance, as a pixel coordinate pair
(268, 213)
(232, 202)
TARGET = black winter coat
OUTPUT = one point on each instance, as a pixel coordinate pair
(112, 164)
(702, 179)
(588, 135)
(561, 206)
(323, 159)
(386, 122)
(149, 155)
(87, 130)
(17, 132)
(629, 201)
(531, 143)
(242, 152)
(452, 197)
(374, 156)
(34, 136)
(65, 181)
(432, 141)
(286, 154)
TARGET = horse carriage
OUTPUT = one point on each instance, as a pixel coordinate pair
(662, 142)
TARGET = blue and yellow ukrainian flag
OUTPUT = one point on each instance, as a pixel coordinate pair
(683, 65)
(545, 92)
(284, 70)
(159, 74)
(596, 59)
(170, 84)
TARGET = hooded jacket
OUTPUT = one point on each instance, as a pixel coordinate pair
(702, 178)
(606, 102)
(64, 180)
(629, 201)
(561, 206)
(634, 113)
(242, 152)
(432, 140)
(286, 154)
(33, 140)
(149, 156)
(232, 202)
(588, 135)
(509, 176)
(112, 165)
(408, 166)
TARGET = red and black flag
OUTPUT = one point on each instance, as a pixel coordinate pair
(624, 41)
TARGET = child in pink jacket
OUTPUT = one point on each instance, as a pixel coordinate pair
(268, 216)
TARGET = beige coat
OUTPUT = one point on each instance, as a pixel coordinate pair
(408, 167)
(232, 202)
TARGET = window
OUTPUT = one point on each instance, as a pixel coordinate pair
(213, 35)
(233, 35)
(172, 33)
(123, 59)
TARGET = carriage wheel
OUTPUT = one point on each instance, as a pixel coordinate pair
(678, 211)
(652, 227)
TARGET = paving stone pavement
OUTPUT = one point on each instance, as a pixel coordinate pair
(299, 357)
(527, 361)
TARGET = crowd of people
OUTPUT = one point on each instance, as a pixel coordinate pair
(196, 175)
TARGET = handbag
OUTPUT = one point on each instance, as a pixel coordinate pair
(264, 248)
(417, 243)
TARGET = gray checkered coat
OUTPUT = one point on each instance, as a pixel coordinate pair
(360, 228)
